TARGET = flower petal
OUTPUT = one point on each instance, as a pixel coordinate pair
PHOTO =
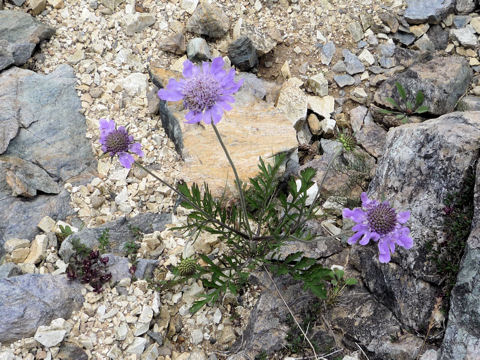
(384, 251)
(360, 227)
(357, 214)
(187, 68)
(217, 65)
(126, 160)
(217, 113)
(403, 239)
(354, 238)
(136, 148)
(366, 238)
(173, 91)
(403, 217)
(193, 117)
(207, 116)
(107, 126)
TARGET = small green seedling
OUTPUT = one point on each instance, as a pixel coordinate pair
(403, 111)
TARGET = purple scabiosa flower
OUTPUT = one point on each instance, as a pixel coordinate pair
(381, 223)
(116, 141)
(206, 90)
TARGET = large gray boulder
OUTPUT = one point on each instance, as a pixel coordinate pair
(19, 35)
(462, 337)
(433, 11)
(29, 301)
(443, 80)
(42, 138)
(422, 164)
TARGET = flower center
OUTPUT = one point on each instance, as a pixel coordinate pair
(201, 92)
(382, 219)
(117, 141)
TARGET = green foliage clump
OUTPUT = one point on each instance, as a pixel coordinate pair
(406, 108)
(253, 229)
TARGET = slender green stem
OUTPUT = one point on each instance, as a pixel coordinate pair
(212, 219)
(237, 180)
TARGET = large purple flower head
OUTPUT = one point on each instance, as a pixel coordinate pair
(117, 142)
(381, 223)
(206, 90)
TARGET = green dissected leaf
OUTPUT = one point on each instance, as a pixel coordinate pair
(401, 91)
(197, 305)
(304, 263)
(292, 257)
(232, 288)
(318, 290)
(392, 102)
(419, 99)
(400, 116)
(409, 106)
(351, 281)
(422, 109)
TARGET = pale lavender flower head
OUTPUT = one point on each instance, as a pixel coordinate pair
(206, 90)
(117, 142)
(381, 223)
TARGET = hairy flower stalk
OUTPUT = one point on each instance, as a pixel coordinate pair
(206, 91)
(117, 141)
(381, 223)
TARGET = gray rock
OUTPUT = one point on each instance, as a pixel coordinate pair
(267, 328)
(368, 134)
(339, 67)
(120, 232)
(460, 21)
(387, 62)
(425, 44)
(387, 49)
(352, 63)
(390, 20)
(243, 54)
(356, 30)
(345, 166)
(263, 39)
(469, 103)
(135, 23)
(9, 269)
(19, 35)
(462, 337)
(17, 2)
(174, 44)
(465, 36)
(438, 36)
(25, 178)
(405, 38)
(198, 50)
(29, 301)
(465, 6)
(45, 110)
(327, 52)
(420, 11)
(434, 161)
(441, 92)
(344, 80)
(69, 351)
(209, 20)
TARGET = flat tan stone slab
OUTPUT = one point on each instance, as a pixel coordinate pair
(248, 131)
(252, 129)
